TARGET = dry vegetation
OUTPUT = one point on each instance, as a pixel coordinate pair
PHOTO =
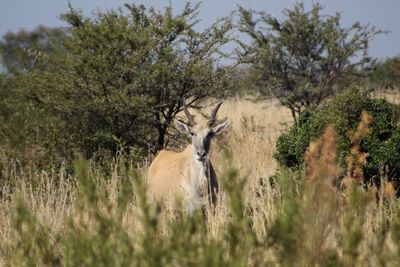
(255, 126)
(48, 219)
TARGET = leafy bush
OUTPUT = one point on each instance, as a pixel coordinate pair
(382, 143)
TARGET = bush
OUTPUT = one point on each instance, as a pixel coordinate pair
(382, 143)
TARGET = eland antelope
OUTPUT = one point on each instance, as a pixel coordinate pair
(187, 175)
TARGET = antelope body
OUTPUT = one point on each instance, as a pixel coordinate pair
(188, 175)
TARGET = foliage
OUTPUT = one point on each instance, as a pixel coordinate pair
(344, 112)
(386, 74)
(19, 131)
(119, 79)
(305, 58)
(21, 51)
(22, 123)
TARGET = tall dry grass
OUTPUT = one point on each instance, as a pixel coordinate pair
(95, 217)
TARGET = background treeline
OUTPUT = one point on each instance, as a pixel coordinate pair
(115, 81)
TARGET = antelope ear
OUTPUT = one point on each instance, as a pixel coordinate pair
(220, 127)
(182, 127)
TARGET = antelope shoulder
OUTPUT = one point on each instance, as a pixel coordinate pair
(167, 174)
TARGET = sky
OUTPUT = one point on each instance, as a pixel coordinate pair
(383, 14)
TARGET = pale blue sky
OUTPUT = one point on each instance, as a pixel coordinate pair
(384, 14)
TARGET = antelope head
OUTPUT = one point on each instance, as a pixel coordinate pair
(201, 134)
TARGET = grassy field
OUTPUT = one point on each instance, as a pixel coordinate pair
(99, 215)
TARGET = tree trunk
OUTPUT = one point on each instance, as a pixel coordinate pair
(161, 138)
(294, 114)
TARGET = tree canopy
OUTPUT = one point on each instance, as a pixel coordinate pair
(121, 77)
(307, 56)
(20, 51)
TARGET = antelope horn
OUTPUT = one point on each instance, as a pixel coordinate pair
(188, 115)
(212, 119)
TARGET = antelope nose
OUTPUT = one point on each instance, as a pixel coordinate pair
(201, 155)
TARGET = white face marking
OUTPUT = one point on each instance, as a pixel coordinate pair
(201, 140)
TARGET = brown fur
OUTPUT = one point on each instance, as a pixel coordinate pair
(171, 178)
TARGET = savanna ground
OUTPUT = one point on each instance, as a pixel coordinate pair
(97, 215)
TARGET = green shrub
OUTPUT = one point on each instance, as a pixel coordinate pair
(382, 143)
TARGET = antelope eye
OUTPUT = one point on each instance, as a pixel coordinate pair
(192, 134)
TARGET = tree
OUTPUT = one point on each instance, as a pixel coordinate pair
(20, 51)
(386, 74)
(22, 124)
(123, 76)
(305, 58)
